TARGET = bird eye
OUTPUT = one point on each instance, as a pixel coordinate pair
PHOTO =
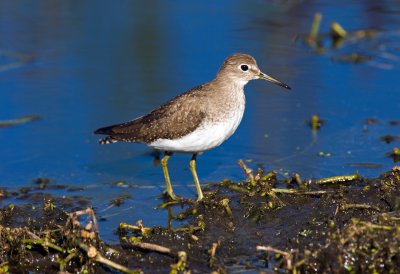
(244, 67)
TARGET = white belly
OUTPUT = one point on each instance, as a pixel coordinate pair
(205, 137)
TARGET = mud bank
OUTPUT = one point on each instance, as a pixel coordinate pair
(343, 224)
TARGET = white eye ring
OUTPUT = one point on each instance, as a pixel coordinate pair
(244, 67)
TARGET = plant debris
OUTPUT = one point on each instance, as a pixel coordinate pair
(334, 224)
(315, 122)
(18, 121)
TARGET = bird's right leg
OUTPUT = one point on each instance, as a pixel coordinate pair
(164, 162)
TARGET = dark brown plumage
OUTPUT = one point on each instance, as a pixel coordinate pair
(172, 120)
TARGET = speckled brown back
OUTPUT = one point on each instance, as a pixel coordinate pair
(174, 119)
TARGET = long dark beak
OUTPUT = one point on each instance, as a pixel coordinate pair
(272, 80)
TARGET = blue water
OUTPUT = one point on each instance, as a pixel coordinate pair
(81, 65)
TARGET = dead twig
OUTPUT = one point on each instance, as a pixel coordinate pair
(225, 204)
(248, 172)
(359, 206)
(153, 247)
(288, 256)
(275, 201)
(89, 211)
(370, 225)
(212, 252)
(63, 262)
(269, 175)
(237, 188)
(337, 179)
(300, 192)
(139, 227)
(44, 243)
(33, 235)
(92, 252)
(296, 177)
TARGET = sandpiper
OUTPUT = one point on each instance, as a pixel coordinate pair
(195, 121)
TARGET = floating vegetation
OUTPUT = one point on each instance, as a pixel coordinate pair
(11, 60)
(311, 39)
(371, 121)
(390, 138)
(365, 165)
(337, 31)
(315, 122)
(324, 154)
(336, 36)
(18, 121)
(394, 123)
(349, 46)
(395, 154)
(354, 58)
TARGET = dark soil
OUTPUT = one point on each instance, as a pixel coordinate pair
(345, 224)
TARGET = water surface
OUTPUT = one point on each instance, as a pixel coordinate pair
(83, 65)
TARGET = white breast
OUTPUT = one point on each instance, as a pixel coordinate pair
(205, 137)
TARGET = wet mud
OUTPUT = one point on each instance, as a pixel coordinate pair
(343, 224)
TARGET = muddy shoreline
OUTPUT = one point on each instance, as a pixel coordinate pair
(339, 224)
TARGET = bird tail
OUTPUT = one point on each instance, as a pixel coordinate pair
(108, 140)
(114, 135)
(105, 130)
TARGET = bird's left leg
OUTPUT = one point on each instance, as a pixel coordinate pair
(195, 178)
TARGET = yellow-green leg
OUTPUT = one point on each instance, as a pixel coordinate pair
(164, 162)
(195, 178)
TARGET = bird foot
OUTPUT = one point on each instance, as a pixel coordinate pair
(172, 197)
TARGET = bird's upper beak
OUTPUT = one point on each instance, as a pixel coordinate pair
(266, 77)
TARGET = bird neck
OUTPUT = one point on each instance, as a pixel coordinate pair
(229, 92)
(230, 84)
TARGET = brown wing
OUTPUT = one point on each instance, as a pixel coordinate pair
(176, 118)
